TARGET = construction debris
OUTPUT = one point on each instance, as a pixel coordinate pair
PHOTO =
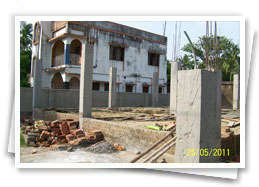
(101, 148)
(154, 127)
(169, 126)
(58, 132)
(119, 147)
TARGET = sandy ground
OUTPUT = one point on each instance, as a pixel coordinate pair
(46, 155)
(138, 117)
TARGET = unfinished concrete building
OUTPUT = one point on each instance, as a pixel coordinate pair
(135, 53)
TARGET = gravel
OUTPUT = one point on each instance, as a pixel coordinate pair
(101, 148)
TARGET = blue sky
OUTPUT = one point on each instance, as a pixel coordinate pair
(195, 29)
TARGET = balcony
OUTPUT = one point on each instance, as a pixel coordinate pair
(58, 60)
(75, 59)
(57, 24)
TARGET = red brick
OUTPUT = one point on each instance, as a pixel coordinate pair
(80, 141)
(77, 132)
(70, 137)
(64, 128)
(61, 137)
(80, 136)
(54, 123)
(72, 125)
(56, 130)
(44, 136)
(90, 136)
(98, 135)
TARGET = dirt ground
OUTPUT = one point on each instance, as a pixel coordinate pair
(46, 155)
(141, 117)
(137, 117)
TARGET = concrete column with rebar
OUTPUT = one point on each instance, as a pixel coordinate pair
(155, 89)
(112, 87)
(198, 121)
(175, 66)
(236, 92)
(37, 72)
(86, 79)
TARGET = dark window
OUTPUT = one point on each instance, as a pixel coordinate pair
(129, 88)
(96, 86)
(106, 87)
(160, 89)
(36, 33)
(78, 50)
(116, 53)
(145, 89)
(153, 59)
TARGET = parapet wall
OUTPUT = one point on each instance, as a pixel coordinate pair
(69, 99)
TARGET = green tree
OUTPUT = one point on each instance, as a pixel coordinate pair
(25, 53)
(224, 55)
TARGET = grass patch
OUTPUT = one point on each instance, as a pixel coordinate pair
(22, 141)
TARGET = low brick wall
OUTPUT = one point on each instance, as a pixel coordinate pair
(133, 138)
(51, 115)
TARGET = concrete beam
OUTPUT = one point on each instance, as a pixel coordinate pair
(155, 89)
(236, 91)
(112, 87)
(198, 123)
(175, 66)
(86, 79)
(36, 85)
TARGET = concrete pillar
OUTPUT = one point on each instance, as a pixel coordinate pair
(236, 91)
(198, 116)
(112, 87)
(36, 85)
(218, 108)
(175, 66)
(155, 89)
(86, 79)
(51, 98)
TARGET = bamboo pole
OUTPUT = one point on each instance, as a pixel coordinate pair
(161, 148)
(152, 147)
(163, 152)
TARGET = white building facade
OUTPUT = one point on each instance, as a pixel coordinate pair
(135, 53)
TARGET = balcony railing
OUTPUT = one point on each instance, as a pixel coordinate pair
(57, 24)
(58, 60)
(75, 59)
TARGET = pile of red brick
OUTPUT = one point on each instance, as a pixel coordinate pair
(59, 132)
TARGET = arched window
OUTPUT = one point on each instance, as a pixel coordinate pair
(57, 81)
(58, 53)
(36, 33)
(75, 52)
(74, 83)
